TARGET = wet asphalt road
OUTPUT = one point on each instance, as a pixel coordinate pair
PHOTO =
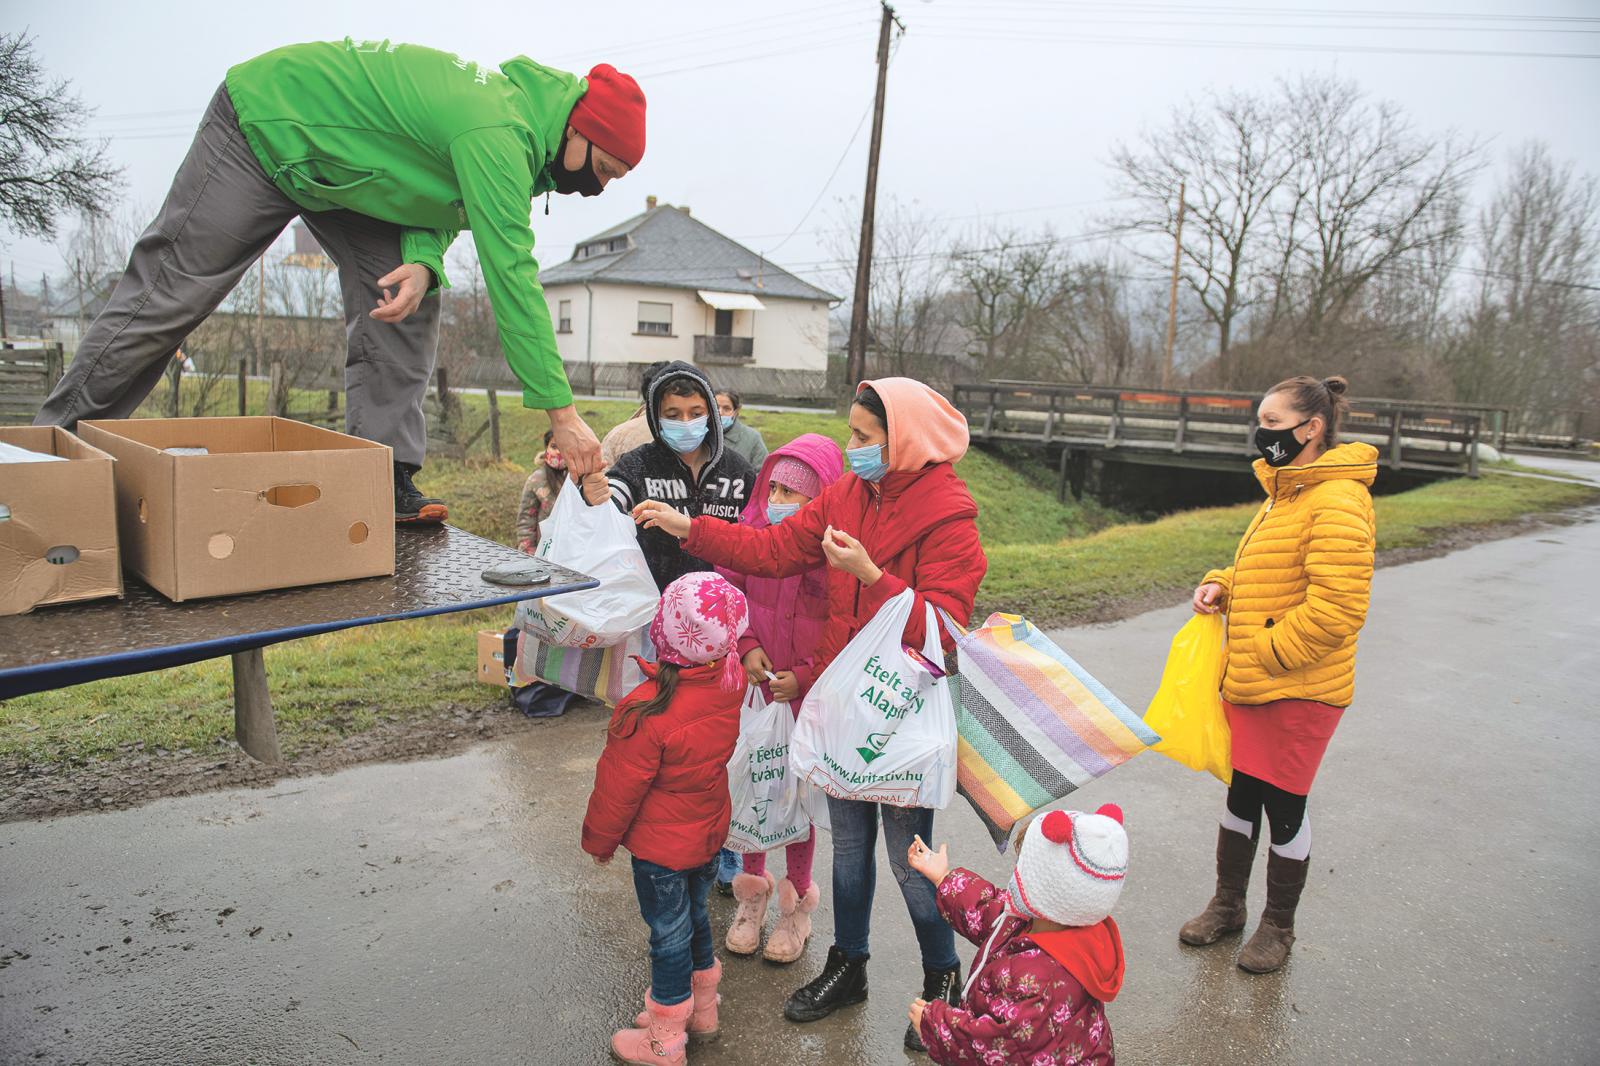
(440, 911)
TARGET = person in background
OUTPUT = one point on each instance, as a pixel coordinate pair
(661, 792)
(787, 619)
(900, 520)
(740, 437)
(1296, 598)
(684, 465)
(625, 436)
(539, 494)
(1050, 957)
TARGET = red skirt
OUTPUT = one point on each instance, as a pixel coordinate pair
(1282, 742)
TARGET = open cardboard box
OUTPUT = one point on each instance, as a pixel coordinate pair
(58, 526)
(272, 504)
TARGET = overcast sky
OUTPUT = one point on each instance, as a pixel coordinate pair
(1006, 109)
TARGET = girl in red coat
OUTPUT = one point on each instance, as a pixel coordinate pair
(900, 519)
(661, 791)
(788, 617)
(1050, 956)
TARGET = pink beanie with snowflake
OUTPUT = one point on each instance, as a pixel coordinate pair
(700, 620)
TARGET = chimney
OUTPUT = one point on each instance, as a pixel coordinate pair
(649, 203)
(684, 208)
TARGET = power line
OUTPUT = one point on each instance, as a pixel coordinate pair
(1270, 46)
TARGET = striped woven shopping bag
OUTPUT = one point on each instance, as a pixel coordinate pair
(1033, 725)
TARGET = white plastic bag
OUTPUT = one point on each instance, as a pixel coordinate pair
(601, 542)
(769, 803)
(876, 725)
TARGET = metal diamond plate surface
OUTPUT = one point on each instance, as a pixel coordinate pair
(436, 572)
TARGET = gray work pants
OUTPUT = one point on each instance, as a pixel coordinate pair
(219, 217)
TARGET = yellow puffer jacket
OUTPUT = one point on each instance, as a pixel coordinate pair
(1296, 594)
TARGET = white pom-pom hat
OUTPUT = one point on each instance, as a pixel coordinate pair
(1072, 866)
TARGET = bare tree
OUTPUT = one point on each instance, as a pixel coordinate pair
(1531, 335)
(46, 165)
(1367, 194)
(1231, 154)
(1091, 335)
(1008, 282)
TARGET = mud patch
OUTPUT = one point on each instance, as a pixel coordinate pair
(30, 790)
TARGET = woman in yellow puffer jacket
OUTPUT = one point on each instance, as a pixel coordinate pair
(1296, 597)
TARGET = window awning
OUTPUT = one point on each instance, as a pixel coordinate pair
(731, 301)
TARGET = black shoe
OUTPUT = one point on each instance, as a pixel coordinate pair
(843, 981)
(936, 984)
(410, 505)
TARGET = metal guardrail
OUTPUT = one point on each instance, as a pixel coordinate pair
(1191, 427)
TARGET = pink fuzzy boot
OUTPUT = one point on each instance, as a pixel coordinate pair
(752, 891)
(662, 1042)
(703, 1021)
(788, 940)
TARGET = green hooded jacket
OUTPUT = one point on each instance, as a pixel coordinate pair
(433, 143)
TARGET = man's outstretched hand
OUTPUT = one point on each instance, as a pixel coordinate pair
(575, 440)
(400, 292)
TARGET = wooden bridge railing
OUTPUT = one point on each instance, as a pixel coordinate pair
(1196, 425)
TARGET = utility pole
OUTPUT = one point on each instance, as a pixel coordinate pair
(3, 304)
(1172, 298)
(856, 352)
(261, 310)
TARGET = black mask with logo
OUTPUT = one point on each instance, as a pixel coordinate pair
(583, 181)
(1278, 446)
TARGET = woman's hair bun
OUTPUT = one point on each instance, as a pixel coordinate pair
(1336, 385)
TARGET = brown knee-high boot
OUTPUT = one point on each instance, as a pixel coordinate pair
(1225, 913)
(1268, 947)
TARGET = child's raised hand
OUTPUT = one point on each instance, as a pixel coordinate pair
(934, 865)
(653, 514)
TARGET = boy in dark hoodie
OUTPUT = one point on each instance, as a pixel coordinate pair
(685, 465)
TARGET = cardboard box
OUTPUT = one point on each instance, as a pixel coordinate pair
(272, 504)
(492, 657)
(58, 532)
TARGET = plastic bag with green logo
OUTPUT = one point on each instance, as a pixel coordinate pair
(878, 725)
(770, 806)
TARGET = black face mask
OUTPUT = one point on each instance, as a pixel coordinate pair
(1278, 446)
(583, 181)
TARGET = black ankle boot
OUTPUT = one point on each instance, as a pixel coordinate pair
(936, 984)
(410, 505)
(843, 981)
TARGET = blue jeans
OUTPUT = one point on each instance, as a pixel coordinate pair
(673, 904)
(730, 864)
(855, 878)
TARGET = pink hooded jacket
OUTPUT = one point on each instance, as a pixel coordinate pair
(788, 614)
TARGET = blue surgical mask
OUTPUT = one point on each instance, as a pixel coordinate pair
(777, 512)
(866, 462)
(727, 423)
(683, 437)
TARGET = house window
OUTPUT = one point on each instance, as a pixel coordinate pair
(564, 316)
(655, 318)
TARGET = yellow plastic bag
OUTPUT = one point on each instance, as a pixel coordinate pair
(1187, 708)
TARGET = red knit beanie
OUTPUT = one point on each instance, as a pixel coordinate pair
(611, 114)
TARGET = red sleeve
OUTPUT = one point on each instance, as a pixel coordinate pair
(950, 567)
(970, 904)
(952, 1034)
(626, 770)
(791, 547)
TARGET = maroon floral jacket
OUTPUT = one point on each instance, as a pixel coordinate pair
(1024, 1008)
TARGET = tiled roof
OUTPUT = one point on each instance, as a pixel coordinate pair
(668, 247)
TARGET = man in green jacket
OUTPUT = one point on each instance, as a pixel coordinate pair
(387, 151)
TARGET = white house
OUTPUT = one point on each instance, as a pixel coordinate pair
(664, 285)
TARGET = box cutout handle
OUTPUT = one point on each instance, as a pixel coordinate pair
(292, 495)
(5, 513)
(358, 533)
(220, 546)
(144, 512)
(61, 554)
